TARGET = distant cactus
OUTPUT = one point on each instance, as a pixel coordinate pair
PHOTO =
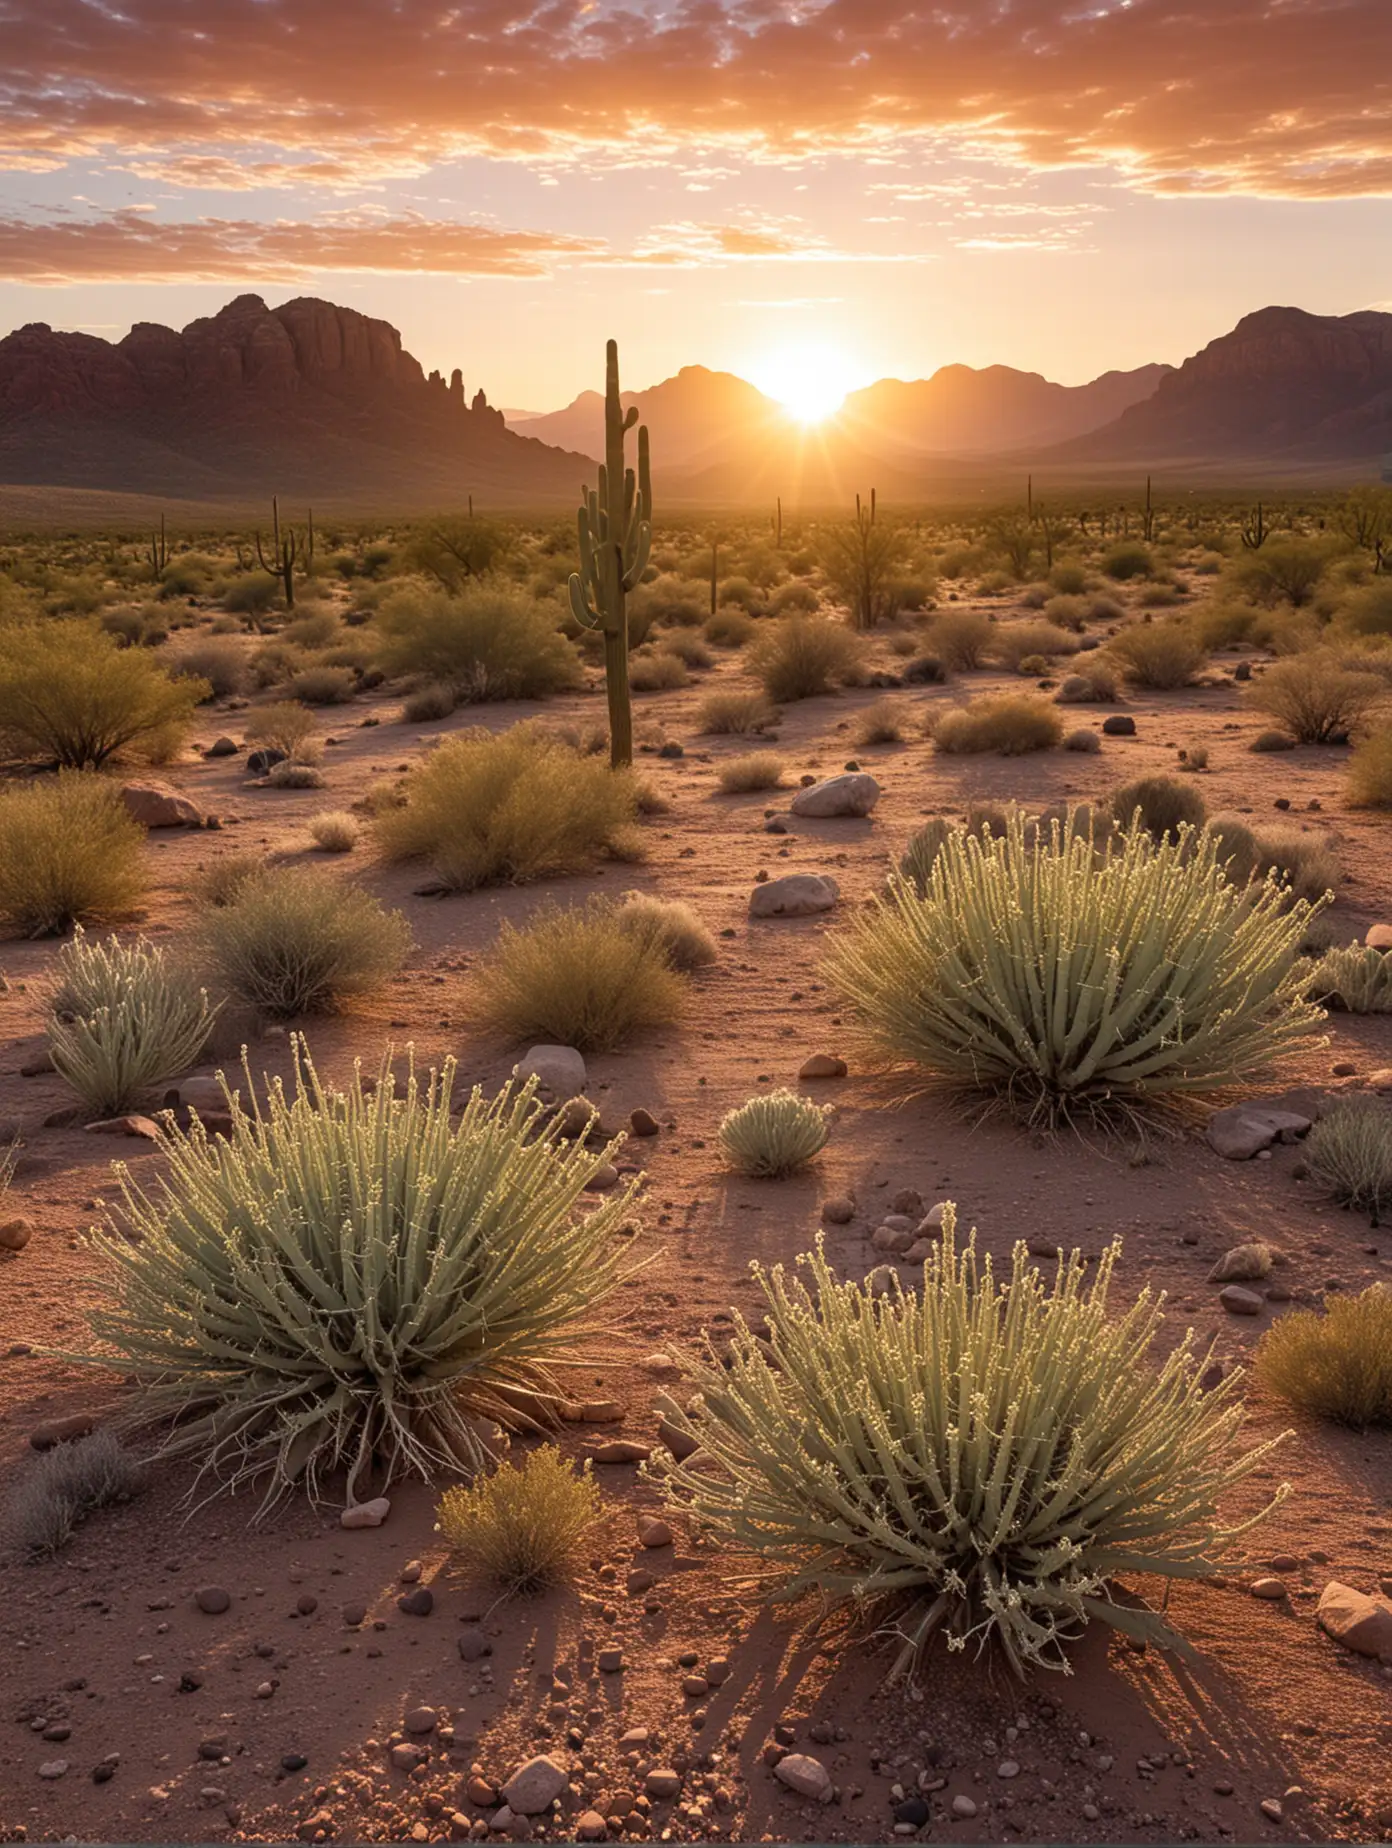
(615, 524)
(285, 549)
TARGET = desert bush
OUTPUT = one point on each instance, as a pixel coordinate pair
(688, 648)
(1157, 655)
(729, 628)
(322, 686)
(1068, 578)
(1014, 643)
(1071, 974)
(1165, 805)
(657, 672)
(56, 1493)
(801, 657)
(524, 1526)
(1318, 701)
(791, 597)
(290, 775)
(293, 941)
(1068, 612)
(1008, 723)
(1272, 740)
(741, 594)
(489, 641)
(1090, 680)
(961, 639)
(666, 599)
(123, 1021)
(220, 664)
(1288, 570)
(1350, 1151)
(334, 831)
(492, 808)
(71, 696)
(982, 1458)
(1129, 559)
(753, 770)
(1370, 771)
(345, 1277)
(775, 1134)
(577, 977)
(925, 670)
(435, 700)
(251, 594)
(136, 625)
(221, 881)
(917, 860)
(1337, 1364)
(671, 927)
(1356, 978)
(286, 726)
(881, 722)
(1302, 862)
(1367, 612)
(735, 712)
(1082, 740)
(69, 854)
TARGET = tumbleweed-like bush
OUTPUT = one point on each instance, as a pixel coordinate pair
(800, 657)
(1008, 723)
(1315, 698)
(1337, 1364)
(1158, 655)
(70, 853)
(1356, 977)
(124, 1019)
(671, 926)
(1350, 1151)
(71, 696)
(508, 807)
(1069, 973)
(750, 772)
(490, 641)
(523, 1525)
(1164, 803)
(983, 1458)
(287, 726)
(349, 1275)
(1370, 771)
(775, 1135)
(735, 711)
(57, 1492)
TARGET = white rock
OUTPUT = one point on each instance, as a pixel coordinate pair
(534, 1787)
(809, 1777)
(796, 895)
(963, 1806)
(366, 1514)
(560, 1068)
(855, 793)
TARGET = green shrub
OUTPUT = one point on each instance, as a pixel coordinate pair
(735, 712)
(1356, 978)
(488, 641)
(69, 854)
(57, 1492)
(293, 941)
(1008, 723)
(123, 1021)
(1066, 612)
(1129, 559)
(754, 770)
(1073, 975)
(801, 657)
(523, 1526)
(961, 639)
(1068, 578)
(1370, 771)
(1317, 700)
(73, 697)
(774, 1135)
(1286, 570)
(1338, 1364)
(1166, 805)
(1350, 1150)
(507, 807)
(670, 926)
(1157, 655)
(984, 1459)
(1302, 862)
(347, 1276)
(224, 877)
(251, 594)
(578, 977)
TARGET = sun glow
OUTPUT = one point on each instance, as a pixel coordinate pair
(810, 381)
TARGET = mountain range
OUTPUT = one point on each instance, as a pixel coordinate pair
(311, 400)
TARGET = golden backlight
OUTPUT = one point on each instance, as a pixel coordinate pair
(808, 379)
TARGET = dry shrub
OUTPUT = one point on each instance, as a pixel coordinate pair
(1370, 772)
(736, 712)
(1350, 1150)
(774, 1134)
(1082, 740)
(729, 628)
(1129, 559)
(802, 657)
(1367, 611)
(687, 647)
(1162, 805)
(334, 831)
(1336, 1365)
(1355, 977)
(488, 642)
(1091, 680)
(1008, 723)
(657, 672)
(1067, 612)
(523, 1526)
(1159, 656)
(1015, 643)
(577, 977)
(671, 927)
(961, 639)
(292, 775)
(754, 770)
(74, 697)
(435, 700)
(1317, 700)
(54, 1495)
(285, 726)
(220, 882)
(221, 663)
(1272, 741)
(323, 686)
(882, 722)
(507, 807)
(69, 854)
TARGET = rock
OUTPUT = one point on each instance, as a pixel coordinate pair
(420, 1720)
(653, 1533)
(1243, 1264)
(963, 1806)
(1356, 1619)
(808, 1777)
(139, 1126)
(293, 1761)
(913, 1812)
(671, 749)
(259, 762)
(853, 794)
(56, 1767)
(610, 1661)
(157, 805)
(55, 1431)
(366, 1514)
(639, 1580)
(1238, 1301)
(1244, 1130)
(822, 1065)
(1118, 725)
(590, 1826)
(920, 1251)
(213, 1600)
(1272, 1589)
(839, 1210)
(932, 1220)
(891, 1239)
(560, 1068)
(473, 1644)
(418, 1602)
(642, 1123)
(534, 1787)
(222, 747)
(15, 1233)
(796, 895)
(909, 1202)
(480, 1792)
(605, 1177)
(677, 1441)
(501, 1822)
(1007, 1767)
(662, 1783)
(354, 1614)
(1378, 937)
(718, 1671)
(405, 1757)
(1271, 1809)
(1380, 1080)
(621, 1450)
(202, 1094)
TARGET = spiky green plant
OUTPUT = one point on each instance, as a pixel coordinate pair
(124, 1019)
(982, 1458)
(346, 1275)
(1356, 977)
(774, 1135)
(1071, 973)
(523, 1525)
(1350, 1150)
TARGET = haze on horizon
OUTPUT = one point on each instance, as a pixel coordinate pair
(808, 194)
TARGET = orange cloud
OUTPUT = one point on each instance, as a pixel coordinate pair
(1276, 97)
(130, 246)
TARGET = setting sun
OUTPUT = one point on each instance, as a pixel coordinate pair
(810, 381)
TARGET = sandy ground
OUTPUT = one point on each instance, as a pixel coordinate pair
(103, 1650)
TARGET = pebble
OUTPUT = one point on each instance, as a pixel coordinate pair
(473, 1644)
(15, 1233)
(354, 1614)
(534, 1786)
(963, 1806)
(805, 1775)
(405, 1757)
(653, 1533)
(411, 1572)
(822, 1065)
(838, 1211)
(212, 1600)
(417, 1603)
(610, 1661)
(643, 1123)
(662, 1783)
(56, 1767)
(1238, 1301)
(621, 1450)
(914, 1811)
(1271, 1809)
(420, 1720)
(1270, 1588)
(591, 1827)
(1007, 1768)
(366, 1514)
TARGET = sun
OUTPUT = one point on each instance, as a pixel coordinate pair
(808, 379)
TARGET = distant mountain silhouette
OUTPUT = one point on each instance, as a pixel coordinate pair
(691, 418)
(308, 399)
(964, 411)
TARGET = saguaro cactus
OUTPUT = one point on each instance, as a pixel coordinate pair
(285, 549)
(615, 523)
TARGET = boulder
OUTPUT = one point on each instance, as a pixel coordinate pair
(15, 1232)
(808, 1777)
(156, 805)
(822, 1065)
(1119, 725)
(534, 1787)
(222, 747)
(1244, 1130)
(365, 1514)
(796, 895)
(561, 1069)
(1378, 936)
(1356, 1619)
(1238, 1301)
(855, 793)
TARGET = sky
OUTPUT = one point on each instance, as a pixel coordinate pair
(794, 190)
